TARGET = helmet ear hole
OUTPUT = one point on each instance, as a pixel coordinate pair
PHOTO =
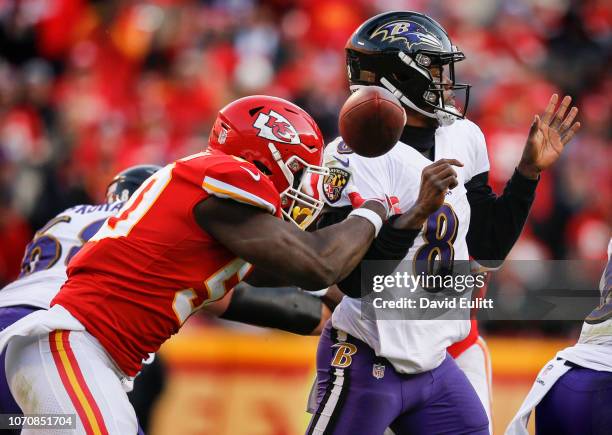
(298, 178)
(263, 168)
(254, 110)
(401, 76)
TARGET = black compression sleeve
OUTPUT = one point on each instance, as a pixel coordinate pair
(497, 221)
(286, 308)
(391, 245)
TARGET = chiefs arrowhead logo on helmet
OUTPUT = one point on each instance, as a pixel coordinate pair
(275, 127)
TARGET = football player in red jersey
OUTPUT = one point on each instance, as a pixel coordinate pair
(185, 238)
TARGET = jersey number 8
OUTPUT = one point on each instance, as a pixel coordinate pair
(437, 255)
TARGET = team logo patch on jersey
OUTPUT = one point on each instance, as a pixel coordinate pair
(378, 371)
(276, 127)
(334, 183)
(412, 34)
(344, 355)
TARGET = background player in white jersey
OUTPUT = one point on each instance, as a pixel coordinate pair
(372, 373)
(573, 391)
(43, 269)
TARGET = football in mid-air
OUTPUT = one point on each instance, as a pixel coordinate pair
(371, 121)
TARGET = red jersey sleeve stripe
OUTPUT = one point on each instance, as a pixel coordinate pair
(225, 190)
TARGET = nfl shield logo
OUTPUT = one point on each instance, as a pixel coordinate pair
(378, 371)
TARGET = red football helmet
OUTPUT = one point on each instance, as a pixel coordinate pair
(283, 141)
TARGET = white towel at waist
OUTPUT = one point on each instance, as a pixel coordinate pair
(39, 323)
(550, 373)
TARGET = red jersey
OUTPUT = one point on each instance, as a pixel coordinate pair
(151, 266)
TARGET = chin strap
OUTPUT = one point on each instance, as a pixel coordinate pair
(444, 118)
(279, 160)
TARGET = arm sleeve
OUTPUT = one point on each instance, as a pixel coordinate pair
(242, 182)
(390, 247)
(287, 308)
(497, 221)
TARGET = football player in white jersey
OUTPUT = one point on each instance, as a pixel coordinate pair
(573, 391)
(43, 269)
(373, 373)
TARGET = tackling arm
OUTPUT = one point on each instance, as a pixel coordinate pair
(309, 260)
(497, 222)
(390, 247)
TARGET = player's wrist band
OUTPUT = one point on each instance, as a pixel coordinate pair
(373, 217)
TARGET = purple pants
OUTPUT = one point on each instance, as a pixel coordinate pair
(359, 393)
(579, 403)
(8, 316)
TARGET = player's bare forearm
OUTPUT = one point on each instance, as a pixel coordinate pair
(314, 260)
(412, 219)
(310, 260)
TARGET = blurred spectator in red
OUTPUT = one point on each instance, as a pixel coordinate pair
(89, 87)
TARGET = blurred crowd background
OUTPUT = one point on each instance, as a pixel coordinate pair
(88, 88)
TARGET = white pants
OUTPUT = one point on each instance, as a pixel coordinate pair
(475, 362)
(68, 372)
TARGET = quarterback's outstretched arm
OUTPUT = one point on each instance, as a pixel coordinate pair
(497, 221)
(309, 260)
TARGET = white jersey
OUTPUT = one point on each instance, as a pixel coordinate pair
(594, 347)
(412, 346)
(43, 269)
